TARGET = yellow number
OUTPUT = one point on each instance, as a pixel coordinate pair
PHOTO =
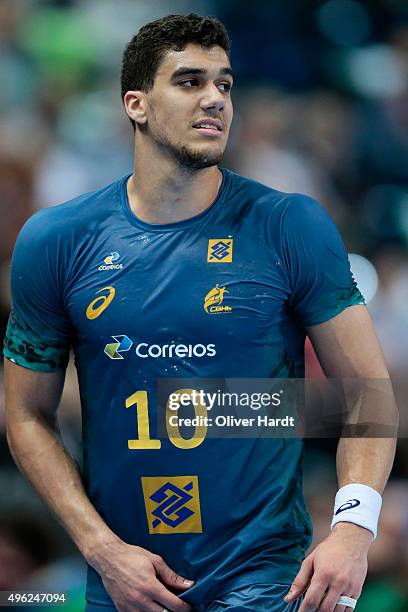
(200, 411)
(144, 442)
(93, 311)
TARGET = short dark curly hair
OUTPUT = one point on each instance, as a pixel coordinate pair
(143, 54)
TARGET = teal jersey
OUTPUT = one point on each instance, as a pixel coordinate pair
(226, 293)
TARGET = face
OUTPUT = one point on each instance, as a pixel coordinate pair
(189, 108)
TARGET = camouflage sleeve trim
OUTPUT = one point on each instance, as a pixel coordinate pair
(336, 303)
(23, 347)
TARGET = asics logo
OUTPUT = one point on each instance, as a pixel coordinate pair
(348, 505)
(99, 304)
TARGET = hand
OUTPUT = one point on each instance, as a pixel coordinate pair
(135, 579)
(338, 566)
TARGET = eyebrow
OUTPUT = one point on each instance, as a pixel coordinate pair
(199, 71)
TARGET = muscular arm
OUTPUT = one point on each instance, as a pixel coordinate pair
(130, 574)
(31, 402)
(348, 348)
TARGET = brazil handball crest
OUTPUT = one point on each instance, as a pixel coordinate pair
(214, 299)
(172, 504)
(220, 250)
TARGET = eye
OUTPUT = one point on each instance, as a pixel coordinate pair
(189, 83)
(225, 87)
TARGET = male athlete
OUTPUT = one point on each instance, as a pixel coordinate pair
(123, 276)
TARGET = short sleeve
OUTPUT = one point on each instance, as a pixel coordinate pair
(319, 272)
(39, 330)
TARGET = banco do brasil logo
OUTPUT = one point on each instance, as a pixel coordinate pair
(220, 250)
(144, 350)
(172, 504)
(109, 262)
(214, 299)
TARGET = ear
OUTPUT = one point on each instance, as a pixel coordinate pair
(135, 105)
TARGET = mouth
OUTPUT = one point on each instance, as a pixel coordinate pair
(213, 126)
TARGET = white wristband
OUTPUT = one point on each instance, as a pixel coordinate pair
(359, 504)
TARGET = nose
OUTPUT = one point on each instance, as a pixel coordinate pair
(213, 99)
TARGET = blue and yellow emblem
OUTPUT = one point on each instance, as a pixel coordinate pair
(172, 504)
(114, 256)
(220, 250)
(214, 299)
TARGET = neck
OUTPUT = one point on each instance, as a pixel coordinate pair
(161, 192)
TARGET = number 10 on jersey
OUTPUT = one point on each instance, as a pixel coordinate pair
(139, 399)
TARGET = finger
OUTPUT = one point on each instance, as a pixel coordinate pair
(169, 601)
(342, 608)
(169, 576)
(302, 580)
(147, 605)
(329, 603)
(314, 595)
(139, 603)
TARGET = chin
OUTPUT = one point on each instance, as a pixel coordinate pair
(197, 159)
(190, 158)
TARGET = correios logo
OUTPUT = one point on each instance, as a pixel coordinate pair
(109, 262)
(114, 349)
(144, 350)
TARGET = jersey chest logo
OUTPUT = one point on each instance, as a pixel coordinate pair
(214, 299)
(172, 504)
(220, 250)
(110, 262)
(99, 304)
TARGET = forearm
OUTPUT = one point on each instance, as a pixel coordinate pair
(41, 456)
(363, 458)
(365, 461)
